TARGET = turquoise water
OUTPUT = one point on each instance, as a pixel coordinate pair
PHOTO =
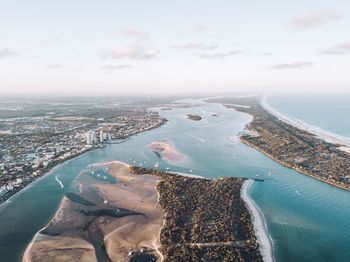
(307, 220)
(330, 112)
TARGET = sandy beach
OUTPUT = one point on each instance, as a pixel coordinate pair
(260, 228)
(167, 150)
(122, 218)
(325, 135)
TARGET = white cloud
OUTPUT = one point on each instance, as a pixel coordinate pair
(6, 52)
(133, 33)
(293, 65)
(56, 66)
(339, 49)
(314, 19)
(116, 67)
(219, 54)
(195, 46)
(133, 52)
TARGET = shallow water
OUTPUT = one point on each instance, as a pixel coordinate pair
(308, 220)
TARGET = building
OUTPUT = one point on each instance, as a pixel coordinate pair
(90, 137)
(101, 136)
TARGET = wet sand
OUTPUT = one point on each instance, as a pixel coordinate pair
(124, 222)
(167, 150)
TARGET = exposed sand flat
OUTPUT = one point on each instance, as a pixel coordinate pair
(167, 150)
(123, 217)
(59, 249)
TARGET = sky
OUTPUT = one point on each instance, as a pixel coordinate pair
(163, 46)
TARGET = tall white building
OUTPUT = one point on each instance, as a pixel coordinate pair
(101, 136)
(90, 137)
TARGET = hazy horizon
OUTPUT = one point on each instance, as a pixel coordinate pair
(163, 47)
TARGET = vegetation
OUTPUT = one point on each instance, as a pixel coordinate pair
(291, 146)
(205, 220)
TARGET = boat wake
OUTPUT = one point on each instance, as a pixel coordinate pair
(319, 132)
(59, 182)
(198, 138)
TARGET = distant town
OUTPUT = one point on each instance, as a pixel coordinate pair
(36, 136)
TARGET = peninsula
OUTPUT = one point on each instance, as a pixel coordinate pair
(118, 212)
(291, 146)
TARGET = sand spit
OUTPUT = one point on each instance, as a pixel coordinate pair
(260, 228)
(124, 222)
(167, 150)
(117, 212)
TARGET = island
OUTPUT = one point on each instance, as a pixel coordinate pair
(194, 117)
(167, 151)
(118, 212)
(291, 146)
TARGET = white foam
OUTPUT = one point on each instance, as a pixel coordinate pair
(319, 132)
(258, 219)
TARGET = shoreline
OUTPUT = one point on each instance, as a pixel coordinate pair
(320, 133)
(259, 223)
(59, 163)
(294, 168)
(141, 218)
(293, 147)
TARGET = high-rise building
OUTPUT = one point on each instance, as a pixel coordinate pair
(101, 136)
(90, 137)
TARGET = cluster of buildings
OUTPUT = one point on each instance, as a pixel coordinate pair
(93, 137)
(29, 151)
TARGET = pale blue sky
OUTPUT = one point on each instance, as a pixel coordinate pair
(174, 46)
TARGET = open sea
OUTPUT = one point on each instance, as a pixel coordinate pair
(306, 219)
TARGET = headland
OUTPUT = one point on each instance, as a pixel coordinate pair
(293, 147)
(118, 212)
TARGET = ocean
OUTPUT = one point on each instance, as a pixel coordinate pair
(306, 219)
(322, 113)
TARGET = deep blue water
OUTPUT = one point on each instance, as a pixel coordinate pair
(307, 220)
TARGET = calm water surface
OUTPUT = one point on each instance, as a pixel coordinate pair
(307, 220)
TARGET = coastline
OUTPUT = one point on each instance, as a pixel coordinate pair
(297, 149)
(31, 184)
(320, 133)
(292, 167)
(48, 170)
(259, 222)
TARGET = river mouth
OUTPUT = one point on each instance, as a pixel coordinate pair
(110, 220)
(305, 218)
